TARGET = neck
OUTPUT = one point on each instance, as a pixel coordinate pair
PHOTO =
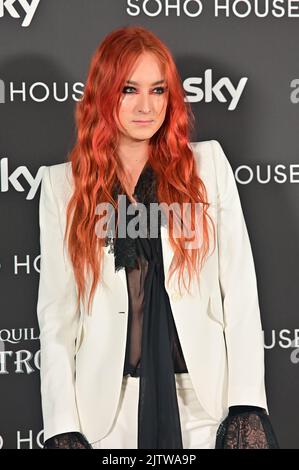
(133, 154)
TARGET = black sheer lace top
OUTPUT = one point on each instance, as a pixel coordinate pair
(136, 262)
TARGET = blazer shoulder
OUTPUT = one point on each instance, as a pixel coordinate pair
(211, 159)
(207, 151)
(204, 154)
(60, 173)
(61, 180)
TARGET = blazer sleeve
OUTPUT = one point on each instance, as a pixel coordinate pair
(238, 285)
(58, 320)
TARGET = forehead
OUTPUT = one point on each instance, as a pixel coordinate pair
(147, 70)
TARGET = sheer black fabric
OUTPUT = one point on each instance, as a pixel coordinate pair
(67, 440)
(246, 427)
(136, 289)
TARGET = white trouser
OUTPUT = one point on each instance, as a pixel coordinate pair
(198, 428)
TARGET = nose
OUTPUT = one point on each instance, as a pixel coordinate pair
(144, 103)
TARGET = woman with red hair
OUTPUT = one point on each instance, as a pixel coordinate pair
(141, 362)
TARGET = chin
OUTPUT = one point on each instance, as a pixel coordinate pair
(142, 135)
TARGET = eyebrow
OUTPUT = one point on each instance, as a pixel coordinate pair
(132, 82)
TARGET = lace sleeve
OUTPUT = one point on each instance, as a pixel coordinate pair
(246, 427)
(68, 440)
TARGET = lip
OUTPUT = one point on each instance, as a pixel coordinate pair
(143, 122)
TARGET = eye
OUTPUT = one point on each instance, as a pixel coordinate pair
(162, 88)
(128, 88)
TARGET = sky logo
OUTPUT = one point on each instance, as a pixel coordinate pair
(29, 8)
(12, 179)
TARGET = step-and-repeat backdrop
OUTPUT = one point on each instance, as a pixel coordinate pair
(238, 61)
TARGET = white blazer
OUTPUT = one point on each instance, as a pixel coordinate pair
(218, 324)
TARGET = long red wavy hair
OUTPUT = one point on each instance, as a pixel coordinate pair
(96, 165)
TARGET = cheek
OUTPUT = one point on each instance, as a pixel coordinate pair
(161, 110)
(125, 109)
(163, 104)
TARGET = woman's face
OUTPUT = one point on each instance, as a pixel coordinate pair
(144, 98)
